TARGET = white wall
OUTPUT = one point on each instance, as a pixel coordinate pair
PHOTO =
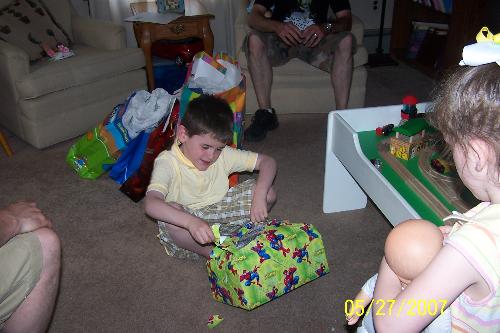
(364, 9)
(369, 12)
(81, 7)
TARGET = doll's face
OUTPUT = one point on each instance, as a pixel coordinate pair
(410, 247)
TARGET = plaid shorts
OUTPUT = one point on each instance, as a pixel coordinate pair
(321, 56)
(232, 212)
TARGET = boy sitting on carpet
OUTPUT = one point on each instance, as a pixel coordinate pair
(189, 188)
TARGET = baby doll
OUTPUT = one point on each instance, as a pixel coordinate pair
(409, 248)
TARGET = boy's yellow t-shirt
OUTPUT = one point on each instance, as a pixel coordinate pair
(175, 176)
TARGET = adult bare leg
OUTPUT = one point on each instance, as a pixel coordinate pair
(260, 70)
(341, 72)
(34, 314)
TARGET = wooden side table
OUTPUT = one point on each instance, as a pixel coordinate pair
(181, 28)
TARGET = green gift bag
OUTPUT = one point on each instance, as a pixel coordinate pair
(264, 261)
(100, 146)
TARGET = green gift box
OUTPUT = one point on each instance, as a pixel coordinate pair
(264, 261)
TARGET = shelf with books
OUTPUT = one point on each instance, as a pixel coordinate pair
(449, 33)
(443, 6)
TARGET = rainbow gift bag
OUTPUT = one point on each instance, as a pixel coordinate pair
(264, 261)
(221, 76)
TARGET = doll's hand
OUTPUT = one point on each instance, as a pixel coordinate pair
(352, 319)
(201, 231)
(258, 211)
(445, 230)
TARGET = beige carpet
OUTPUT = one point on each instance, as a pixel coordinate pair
(116, 277)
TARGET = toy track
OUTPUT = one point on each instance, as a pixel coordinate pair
(450, 187)
(426, 195)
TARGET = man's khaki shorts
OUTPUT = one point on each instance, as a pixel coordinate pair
(321, 56)
(21, 266)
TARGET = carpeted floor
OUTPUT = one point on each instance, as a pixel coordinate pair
(117, 278)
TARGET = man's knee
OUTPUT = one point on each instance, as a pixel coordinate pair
(345, 44)
(51, 245)
(255, 44)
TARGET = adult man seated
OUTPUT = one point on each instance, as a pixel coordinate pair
(30, 260)
(286, 29)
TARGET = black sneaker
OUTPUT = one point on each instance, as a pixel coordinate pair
(262, 121)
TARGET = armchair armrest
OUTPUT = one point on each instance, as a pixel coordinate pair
(14, 65)
(97, 33)
(241, 27)
(358, 29)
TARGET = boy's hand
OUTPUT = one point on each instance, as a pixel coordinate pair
(201, 231)
(258, 211)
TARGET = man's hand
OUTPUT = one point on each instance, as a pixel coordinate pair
(201, 231)
(19, 218)
(289, 34)
(28, 216)
(312, 35)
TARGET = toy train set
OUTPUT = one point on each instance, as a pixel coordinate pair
(414, 151)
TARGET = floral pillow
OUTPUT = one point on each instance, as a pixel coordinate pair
(29, 25)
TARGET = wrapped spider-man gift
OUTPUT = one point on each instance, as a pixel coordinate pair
(261, 262)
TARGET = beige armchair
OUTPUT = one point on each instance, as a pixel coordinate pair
(299, 87)
(45, 102)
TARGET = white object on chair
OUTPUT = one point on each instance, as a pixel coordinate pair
(194, 7)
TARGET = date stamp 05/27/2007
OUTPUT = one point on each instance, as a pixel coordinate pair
(416, 307)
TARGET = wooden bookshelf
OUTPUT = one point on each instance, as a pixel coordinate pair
(464, 22)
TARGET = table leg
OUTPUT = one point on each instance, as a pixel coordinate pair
(146, 48)
(341, 192)
(5, 145)
(207, 37)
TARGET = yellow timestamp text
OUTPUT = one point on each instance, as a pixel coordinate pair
(386, 307)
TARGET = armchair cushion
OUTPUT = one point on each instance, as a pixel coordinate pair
(27, 24)
(90, 65)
